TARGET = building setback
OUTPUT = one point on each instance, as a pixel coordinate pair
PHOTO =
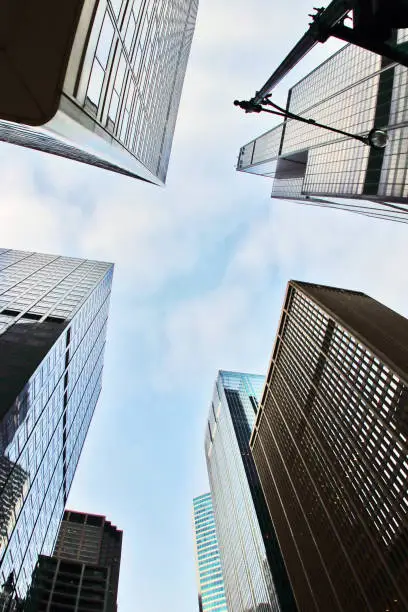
(354, 90)
(211, 593)
(98, 81)
(255, 577)
(83, 573)
(53, 318)
(330, 447)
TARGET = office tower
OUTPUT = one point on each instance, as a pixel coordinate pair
(83, 573)
(96, 81)
(254, 573)
(354, 91)
(330, 447)
(53, 317)
(211, 593)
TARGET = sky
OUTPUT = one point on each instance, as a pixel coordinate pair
(200, 273)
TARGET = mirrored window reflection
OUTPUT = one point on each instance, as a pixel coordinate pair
(117, 88)
(34, 470)
(105, 41)
(130, 32)
(120, 74)
(95, 82)
(113, 109)
(116, 4)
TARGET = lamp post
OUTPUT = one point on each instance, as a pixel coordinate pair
(376, 138)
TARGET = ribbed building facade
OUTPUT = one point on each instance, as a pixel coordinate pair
(331, 448)
(97, 81)
(83, 573)
(53, 320)
(210, 582)
(355, 90)
(255, 577)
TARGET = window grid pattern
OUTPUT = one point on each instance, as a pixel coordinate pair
(331, 446)
(354, 90)
(338, 73)
(209, 571)
(136, 73)
(339, 167)
(264, 148)
(394, 180)
(43, 431)
(352, 110)
(247, 575)
(291, 188)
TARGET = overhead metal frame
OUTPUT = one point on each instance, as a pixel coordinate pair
(328, 22)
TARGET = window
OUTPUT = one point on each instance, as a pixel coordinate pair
(130, 32)
(95, 83)
(105, 41)
(113, 109)
(116, 4)
(100, 61)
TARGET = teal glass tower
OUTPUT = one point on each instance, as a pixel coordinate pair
(254, 572)
(53, 320)
(211, 594)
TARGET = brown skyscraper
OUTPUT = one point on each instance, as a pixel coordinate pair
(83, 574)
(330, 446)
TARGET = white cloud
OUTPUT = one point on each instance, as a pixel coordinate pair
(234, 324)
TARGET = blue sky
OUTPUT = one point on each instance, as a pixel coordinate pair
(201, 268)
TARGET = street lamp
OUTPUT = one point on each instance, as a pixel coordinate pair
(373, 25)
(376, 138)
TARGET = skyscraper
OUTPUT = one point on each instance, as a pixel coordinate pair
(254, 573)
(331, 448)
(354, 91)
(99, 82)
(83, 573)
(211, 593)
(53, 318)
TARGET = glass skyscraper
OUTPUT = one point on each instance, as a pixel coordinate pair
(331, 448)
(254, 573)
(354, 91)
(53, 318)
(96, 81)
(211, 593)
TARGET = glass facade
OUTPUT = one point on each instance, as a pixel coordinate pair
(254, 573)
(211, 593)
(121, 88)
(331, 448)
(354, 91)
(53, 318)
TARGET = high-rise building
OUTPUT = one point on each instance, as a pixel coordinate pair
(255, 577)
(211, 593)
(96, 81)
(83, 573)
(53, 318)
(331, 449)
(354, 91)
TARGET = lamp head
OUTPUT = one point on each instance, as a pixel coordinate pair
(377, 138)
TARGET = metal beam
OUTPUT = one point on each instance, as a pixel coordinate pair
(318, 32)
